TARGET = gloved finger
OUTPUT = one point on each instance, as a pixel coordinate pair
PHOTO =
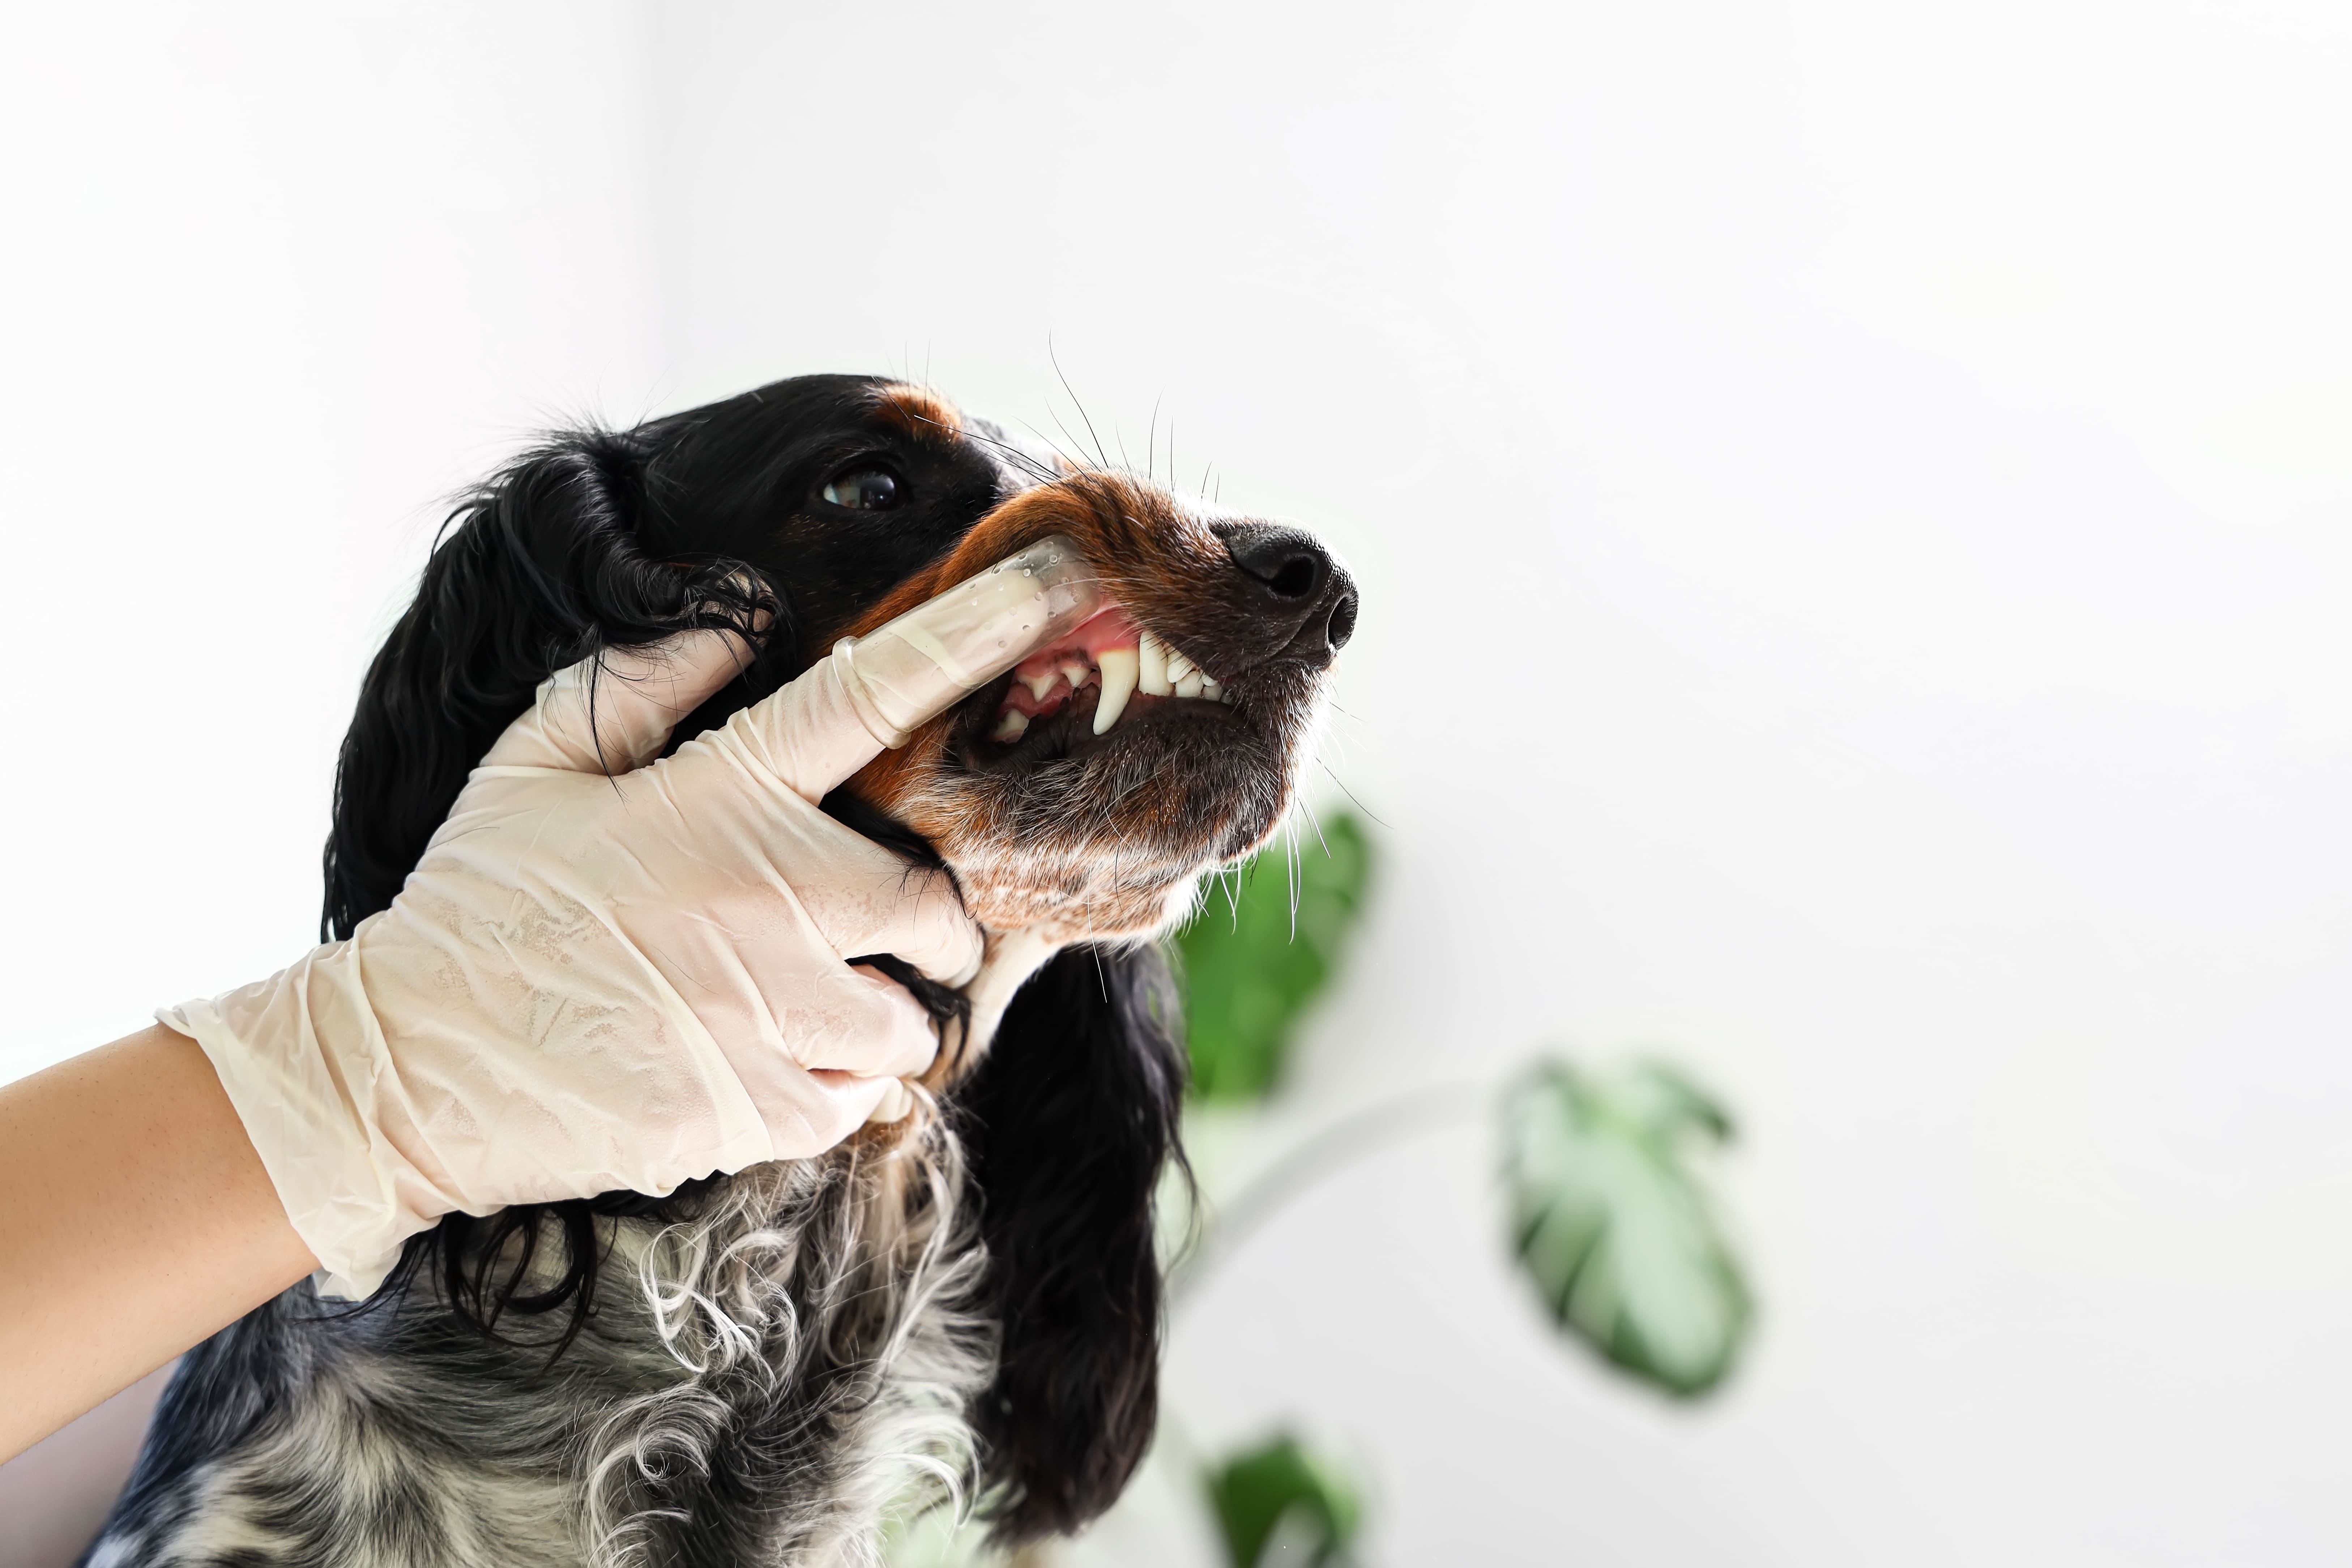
(873, 692)
(852, 1041)
(809, 736)
(900, 1042)
(864, 898)
(824, 1108)
(925, 925)
(614, 712)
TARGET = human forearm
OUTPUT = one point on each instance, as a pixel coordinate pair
(135, 1219)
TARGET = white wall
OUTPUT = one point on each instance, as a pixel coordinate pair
(1849, 502)
(277, 279)
(1851, 507)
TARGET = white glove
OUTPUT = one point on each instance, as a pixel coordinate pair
(599, 980)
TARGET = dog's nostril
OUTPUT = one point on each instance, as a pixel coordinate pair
(1342, 624)
(1287, 560)
(1296, 580)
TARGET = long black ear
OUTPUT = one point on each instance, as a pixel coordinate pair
(1069, 1121)
(542, 566)
(555, 558)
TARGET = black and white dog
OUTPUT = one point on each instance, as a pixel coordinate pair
(961, 1308)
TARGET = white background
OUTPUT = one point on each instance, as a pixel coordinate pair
(1851, 504)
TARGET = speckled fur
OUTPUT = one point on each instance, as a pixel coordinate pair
(809, 1346)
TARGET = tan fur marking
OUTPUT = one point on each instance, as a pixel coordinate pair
(919, 413)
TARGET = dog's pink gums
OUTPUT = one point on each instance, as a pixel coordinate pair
(1049, 677)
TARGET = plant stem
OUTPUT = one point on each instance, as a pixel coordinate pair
(1325, 1154)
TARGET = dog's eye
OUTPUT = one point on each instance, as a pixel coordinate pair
(864, 489)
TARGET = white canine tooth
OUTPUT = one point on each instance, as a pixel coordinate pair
(1039, 685)
(1178, 667)
(1119, 669)
(1211, 691)
(1153, 676)
(1191, 685)
(1011, 725)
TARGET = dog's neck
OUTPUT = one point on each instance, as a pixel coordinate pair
(1012, 956)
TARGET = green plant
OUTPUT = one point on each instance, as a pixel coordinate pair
(1613, 1227)
(1610, 1220)
(1279, 1489)
(1265, 942)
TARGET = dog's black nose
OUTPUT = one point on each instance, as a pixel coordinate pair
(1305, 597)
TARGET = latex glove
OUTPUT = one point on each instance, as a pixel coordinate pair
(595, 981)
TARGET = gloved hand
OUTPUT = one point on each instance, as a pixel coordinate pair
(611, 972)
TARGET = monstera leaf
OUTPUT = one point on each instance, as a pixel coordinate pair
(1281, 1492)
(1615, 1229)
(1251, 969)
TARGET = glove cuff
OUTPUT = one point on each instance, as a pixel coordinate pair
(342, 1185)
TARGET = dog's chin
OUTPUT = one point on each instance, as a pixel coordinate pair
(1069, 837)
(1101, 838)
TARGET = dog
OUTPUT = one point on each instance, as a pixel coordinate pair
(961, 1309)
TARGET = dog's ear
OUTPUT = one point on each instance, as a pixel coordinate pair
(543, 565)
(1069, 1122)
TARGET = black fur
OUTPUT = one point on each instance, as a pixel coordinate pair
(1092, 1048)
(541, 568)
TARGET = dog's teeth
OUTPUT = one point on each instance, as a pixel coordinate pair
(1211, 691)
(1039, 685)
(1011, 725)
(1118, 673)
(1178, 667)
(1076, 670)
(1152, 671)
(1191, 685)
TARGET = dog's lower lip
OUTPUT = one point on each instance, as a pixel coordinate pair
(1068, 731)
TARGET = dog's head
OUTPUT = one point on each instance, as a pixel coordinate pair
(856, 501)
(821, 508)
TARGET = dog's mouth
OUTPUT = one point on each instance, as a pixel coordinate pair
(1104, 680)
(1083, 790)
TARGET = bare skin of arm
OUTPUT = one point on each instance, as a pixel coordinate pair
(137, 1221)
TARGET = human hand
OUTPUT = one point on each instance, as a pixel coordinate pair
(609, 972)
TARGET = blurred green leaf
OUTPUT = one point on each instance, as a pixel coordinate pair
(1248, 979)
(1281, 1489)
(1613, 1227)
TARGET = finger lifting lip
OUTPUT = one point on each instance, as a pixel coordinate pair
(923, 660)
